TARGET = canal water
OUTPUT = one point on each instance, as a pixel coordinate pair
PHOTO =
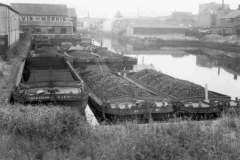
(219, 70)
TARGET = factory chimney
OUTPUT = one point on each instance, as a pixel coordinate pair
(222, 4)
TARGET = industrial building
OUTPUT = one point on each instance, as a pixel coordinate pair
(177, 23)
(154, 27)
(229, 23)
(45, 18)
(9, 27)
(117, 25)
(209, 14)
(72, 14)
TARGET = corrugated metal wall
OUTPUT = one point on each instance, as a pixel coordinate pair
(14, 27)
(3, 30)
(9, 27)
(3, 20)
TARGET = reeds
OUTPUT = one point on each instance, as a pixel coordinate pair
(47, 132)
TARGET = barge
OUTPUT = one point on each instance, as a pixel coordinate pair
(101, 54)
(50, 80)
(81, 57)
(191, 98)
(39, 39)
(116, 99)
(114, 58)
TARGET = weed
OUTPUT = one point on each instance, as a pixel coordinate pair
(48, 132)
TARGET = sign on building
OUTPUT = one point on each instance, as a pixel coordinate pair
(44, 18)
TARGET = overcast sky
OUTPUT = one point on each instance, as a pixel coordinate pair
(108, 8)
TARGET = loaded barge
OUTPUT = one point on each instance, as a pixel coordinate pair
(46, 78)
(88, 53)
(191, 98)
(116, 99)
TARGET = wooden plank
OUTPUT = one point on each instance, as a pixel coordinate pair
(20, 72)
(90, 116)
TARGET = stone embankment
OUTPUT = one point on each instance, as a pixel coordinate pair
(9, 66)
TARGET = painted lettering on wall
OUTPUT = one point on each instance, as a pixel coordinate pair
(43, 18)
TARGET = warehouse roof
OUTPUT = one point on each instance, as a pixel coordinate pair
(47, 23)
(40, 9)
(72, 12)
(232, 14)
(1, 4)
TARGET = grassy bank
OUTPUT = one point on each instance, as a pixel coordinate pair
(9, 66)
(60, 133)
(11, 58)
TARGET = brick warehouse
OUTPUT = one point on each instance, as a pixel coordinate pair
(9, 27)
(45, 18)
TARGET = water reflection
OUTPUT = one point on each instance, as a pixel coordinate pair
(220, 70)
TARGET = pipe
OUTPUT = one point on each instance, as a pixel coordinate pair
(206, 93)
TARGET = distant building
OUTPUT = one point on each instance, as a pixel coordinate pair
(120, 25)
(72, 14)
(44, 18)
(213, 6)
(155, 27)
(117, 25)
(88, 23)
(208, 14)
(9, 27)
(147, 25)
(229, 24)
(108, 25)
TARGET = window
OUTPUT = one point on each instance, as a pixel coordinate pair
(36, 30)
(51, 30)
(63, 30)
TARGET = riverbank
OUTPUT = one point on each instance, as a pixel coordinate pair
(60, 133)
(9, 65)
(217, 42)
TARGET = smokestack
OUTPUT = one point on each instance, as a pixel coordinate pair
(222, 4)
(138, 11)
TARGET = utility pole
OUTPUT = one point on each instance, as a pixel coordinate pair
(222, 4)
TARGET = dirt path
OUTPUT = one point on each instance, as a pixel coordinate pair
(11, 67)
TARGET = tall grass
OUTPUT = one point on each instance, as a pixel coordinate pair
(61, 133)
(19, 49)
